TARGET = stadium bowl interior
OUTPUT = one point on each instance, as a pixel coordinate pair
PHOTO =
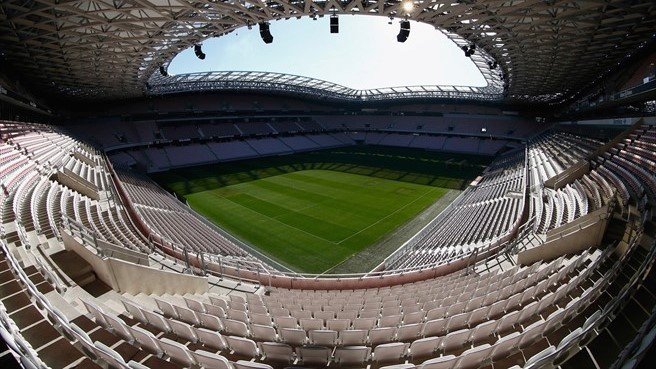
(262, 220)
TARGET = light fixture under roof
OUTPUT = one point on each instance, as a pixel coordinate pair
(408, 6)
(199, 52)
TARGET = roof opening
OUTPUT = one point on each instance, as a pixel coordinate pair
(364, 54)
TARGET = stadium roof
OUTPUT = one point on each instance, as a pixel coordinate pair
(547, 49)
(299, 85)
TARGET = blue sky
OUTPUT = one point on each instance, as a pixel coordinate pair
(363, 55)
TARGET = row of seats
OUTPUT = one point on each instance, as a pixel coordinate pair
(560, 207)
(628, 165)
(192, 153)
(180, 320)
(549, 155)
(113, 132)
(171, 220)
(481, 215)
(460, 348)
(527, 316)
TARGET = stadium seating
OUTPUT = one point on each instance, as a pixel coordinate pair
(181, 143)
(550, 154)
(507, 315)
(173, 220)
(481, 216)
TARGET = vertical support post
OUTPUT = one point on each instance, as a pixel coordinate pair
(186, 255)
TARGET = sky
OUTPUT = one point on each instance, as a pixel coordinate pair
(363, 55)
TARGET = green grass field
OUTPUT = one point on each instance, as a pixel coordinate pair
(313, 211)
(312, 220)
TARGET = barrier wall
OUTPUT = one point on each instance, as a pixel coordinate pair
(123, 276)
(135, 279)
(336, 283)
(568, 176)
(84, 158)
(72, 180)
(581, 234)
(324, 282)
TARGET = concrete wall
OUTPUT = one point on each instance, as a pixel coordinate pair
(84, 158)
(134, 279)
(581, 234)
(72, 180)
(568, 176)
(100, 266)
(123, 276)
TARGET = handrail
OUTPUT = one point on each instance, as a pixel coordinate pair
(255, 270)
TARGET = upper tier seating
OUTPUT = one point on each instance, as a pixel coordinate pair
(180, 132)
(630, 165)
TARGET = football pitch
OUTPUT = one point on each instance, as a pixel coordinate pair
(312, 217)
(312, 220)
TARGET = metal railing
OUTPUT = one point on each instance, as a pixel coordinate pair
(244, 265)
(241, 268)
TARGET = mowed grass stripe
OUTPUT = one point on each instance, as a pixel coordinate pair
(311, 227)
(352, 208)
(390, 215)
(370, 198)
(339, 203)
(301, 251)
(311, 193)
(339, 213)
(262, 190)
(321, 228)
(381, 227)
(335, 210)
(376, 186)
(267, 218)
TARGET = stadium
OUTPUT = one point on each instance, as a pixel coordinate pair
(159, 217)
